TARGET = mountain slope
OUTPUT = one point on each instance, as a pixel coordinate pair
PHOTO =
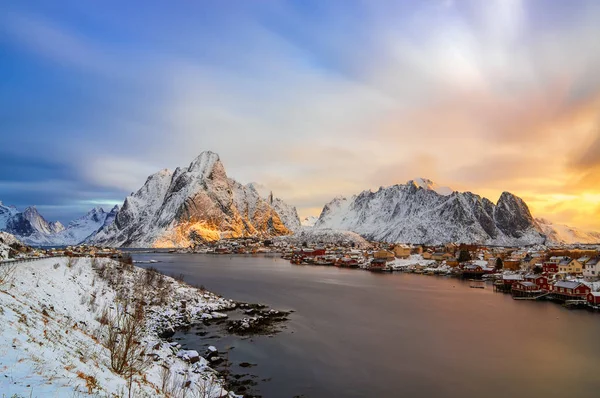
(416, 213)
(558, 233)
(287, 213)
(6, 212)
(198, 202)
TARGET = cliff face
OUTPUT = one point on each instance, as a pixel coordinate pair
(198, 202)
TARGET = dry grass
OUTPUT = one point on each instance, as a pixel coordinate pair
(90, 382)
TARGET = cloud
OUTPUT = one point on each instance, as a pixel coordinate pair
(481, 96)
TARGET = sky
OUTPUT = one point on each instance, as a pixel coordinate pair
(313, 99)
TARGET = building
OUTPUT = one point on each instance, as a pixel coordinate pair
(512, 264)
(384, 254)
(401, 251)
(591, 268)
(540, 281)
(570, 290)
(550, 267)
(525, 289)
(593, 298)
(569, 266)
(505, 285)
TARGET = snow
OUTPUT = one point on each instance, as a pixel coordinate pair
(309, 221)
(559, 233)
(326, 236)
(199, 198)
(411, 214)
(428, 184)
(6, 212)
(33, 229)
(6, 240)
(50, 334)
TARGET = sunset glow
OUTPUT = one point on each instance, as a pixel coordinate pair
(311, 99)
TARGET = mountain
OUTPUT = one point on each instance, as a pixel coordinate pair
(309, 221)
(6, 212)
(77, 231)
(558, 233)
(287, 213)
(197, 202)
(421, 212)
(32, 228)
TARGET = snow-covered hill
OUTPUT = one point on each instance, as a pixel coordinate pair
(558, 233)
(197, 202)
(7, 241)
(314, 236)
(55, 321)
(421, 212)
(33, 229)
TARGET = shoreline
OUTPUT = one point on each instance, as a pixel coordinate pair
(47, 299)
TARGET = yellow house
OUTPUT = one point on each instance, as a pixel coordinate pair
(570, 266)
(427, 255)
(401, 251)
(385, 254)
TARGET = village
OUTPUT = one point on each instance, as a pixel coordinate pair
(568, 275)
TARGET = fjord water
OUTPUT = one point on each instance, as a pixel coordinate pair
(358, 334)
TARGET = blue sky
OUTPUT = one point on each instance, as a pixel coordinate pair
(311, 98)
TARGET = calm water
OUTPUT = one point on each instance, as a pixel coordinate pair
(358, 334)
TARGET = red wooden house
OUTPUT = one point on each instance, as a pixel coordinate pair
(570, 290)
(550, 267)
(525, 289)
(540, 281)
(593, 298)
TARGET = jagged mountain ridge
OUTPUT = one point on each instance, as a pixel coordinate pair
(198, 202)
(416, 213)
(31, 227)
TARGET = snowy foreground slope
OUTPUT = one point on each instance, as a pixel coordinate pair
(196, 202)
(422, 212)
(54, 325)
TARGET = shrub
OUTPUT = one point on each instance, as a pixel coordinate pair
(7, 275)
(123, 340)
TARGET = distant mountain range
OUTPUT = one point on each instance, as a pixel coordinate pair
(421, 212)
(31, 228)
(200, 202)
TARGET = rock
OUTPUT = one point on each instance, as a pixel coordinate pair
(167, 333)
(191, 356)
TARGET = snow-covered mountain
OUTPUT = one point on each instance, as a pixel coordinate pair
(421, 212)
(197, 202)
(6, 212)
(77, 231)
(32, 228)
(309, 221)
(559, 233)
